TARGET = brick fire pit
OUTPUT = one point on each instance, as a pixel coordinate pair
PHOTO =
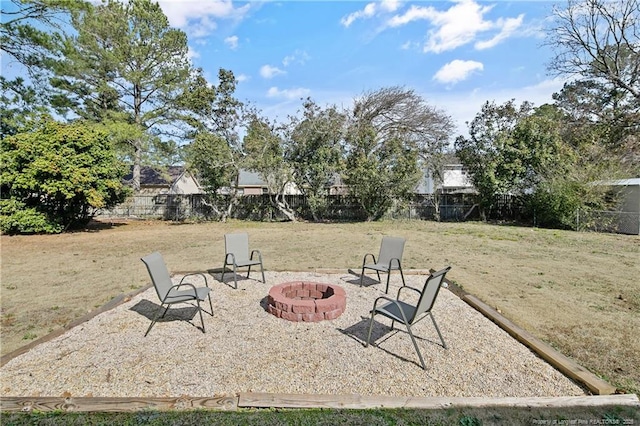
(306, 301)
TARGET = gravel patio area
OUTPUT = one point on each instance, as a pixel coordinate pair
(246, 349)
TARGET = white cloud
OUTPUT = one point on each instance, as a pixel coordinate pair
(192, 54)
(457, 70)
(299, 57)
(461, 24)
(232, 42)
(370, 10)
(507, 28)
(242, 77)
(296, 93)
(267, 71)
(198, 17)
(413, 14)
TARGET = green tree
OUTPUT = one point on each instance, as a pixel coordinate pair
(597, 43)
(315, 152)
(20, 105)
(215, 153)
(498, 163)
(56, 176)
(598, 40)
(379, 176)
(128, 66)
(397, 120)
(263, 145)
(31, 29)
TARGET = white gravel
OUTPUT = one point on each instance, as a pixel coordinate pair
(245, 349)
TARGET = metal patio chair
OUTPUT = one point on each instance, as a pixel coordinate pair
(389, 259)
(236, 247)
(170, 293)
(409, 314)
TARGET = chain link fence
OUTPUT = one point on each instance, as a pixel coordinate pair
(609, 221)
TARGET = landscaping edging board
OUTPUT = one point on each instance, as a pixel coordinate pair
(269, 400)
(294, 401)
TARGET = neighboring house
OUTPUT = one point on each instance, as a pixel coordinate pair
(250, 183)
(174, 180)
(455, 181)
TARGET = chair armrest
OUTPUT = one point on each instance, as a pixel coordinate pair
(391, 263)
(364, 260)
(226, 259)
(196, 273)
(259, 254)
(177, 287)
(410, 288)
(394, 301)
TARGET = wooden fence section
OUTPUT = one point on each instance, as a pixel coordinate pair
(445, 207)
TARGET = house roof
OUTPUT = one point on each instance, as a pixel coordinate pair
(150, 176)
(248, 178)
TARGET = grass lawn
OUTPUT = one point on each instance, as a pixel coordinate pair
(579, 292)
(268, 417)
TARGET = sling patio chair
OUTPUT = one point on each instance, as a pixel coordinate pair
(236, 247)
(389, 259)
(409, 314)
(170, 293)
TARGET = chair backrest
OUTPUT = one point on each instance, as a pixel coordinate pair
(391, 248)
(429, 292)
(238, 244)
(158, 273)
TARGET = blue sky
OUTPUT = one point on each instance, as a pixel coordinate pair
(456, 54)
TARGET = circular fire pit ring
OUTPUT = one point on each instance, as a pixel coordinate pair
(306, 301)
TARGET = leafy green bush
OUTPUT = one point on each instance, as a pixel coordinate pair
(15, 218)
(55, 176)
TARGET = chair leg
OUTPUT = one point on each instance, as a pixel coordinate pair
(362, 276)
(415, 345)
(224, 268)
(370, 328)
(402, 275)
(235, 276)
(386, 291)
(249, 272)
(155, 319)
(444, 345)
(200, 311)
(210, 305)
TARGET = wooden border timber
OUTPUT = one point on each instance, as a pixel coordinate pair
(566, 365)
(115, 405)
(270, 400)
(295, 401)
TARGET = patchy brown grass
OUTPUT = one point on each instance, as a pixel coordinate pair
(580, 292)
